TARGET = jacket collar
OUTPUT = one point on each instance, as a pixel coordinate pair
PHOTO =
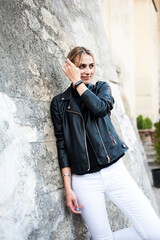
(67, 94)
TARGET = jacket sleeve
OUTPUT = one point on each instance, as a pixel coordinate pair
(58, 131)
(100, 104)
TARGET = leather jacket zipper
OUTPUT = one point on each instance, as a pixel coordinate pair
(113, 139)
(102, 140)
(84, 136)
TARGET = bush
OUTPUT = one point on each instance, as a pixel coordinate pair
(144, 123)
(157, 144)
(147, 123)
(140, 122)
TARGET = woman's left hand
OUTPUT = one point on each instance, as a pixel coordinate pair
(71, 71)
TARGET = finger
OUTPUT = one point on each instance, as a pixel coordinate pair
(76, 206)
(69, 62)
(65, 66)
(75, 203)
(71, 207)
(63, 69)
(76, 211)
(80, 206)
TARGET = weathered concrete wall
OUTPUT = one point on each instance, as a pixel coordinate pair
(35, 38)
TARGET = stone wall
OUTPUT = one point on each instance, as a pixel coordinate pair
(35, 38)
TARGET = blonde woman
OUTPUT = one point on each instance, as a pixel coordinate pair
(90, 155)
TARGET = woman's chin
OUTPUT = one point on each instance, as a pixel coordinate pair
(86, 81)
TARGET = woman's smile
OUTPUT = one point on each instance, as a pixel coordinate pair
(87, 68)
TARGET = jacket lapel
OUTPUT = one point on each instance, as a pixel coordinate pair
(72, 105)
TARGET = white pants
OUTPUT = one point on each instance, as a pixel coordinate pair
(117, 184)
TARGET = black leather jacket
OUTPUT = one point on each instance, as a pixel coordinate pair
(70, 129)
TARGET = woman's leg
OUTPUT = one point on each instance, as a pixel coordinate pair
(125, 193)
(90, 192)
(126, 234)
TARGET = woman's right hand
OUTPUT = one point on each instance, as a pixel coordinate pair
(71, 71)
(71, 202)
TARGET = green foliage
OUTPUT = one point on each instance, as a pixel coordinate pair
(140, 122)
(144, 123)
(157, 144)
(147, 123)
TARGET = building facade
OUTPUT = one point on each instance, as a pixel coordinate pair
(133, 31)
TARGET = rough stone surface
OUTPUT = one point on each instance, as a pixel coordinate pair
(35, 38)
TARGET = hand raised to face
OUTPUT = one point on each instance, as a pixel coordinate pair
(71, 71)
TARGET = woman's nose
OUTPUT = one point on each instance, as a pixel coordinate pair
(88, 70)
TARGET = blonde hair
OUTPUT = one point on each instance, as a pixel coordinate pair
(76, 54)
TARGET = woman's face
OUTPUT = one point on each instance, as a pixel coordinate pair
(87, 68)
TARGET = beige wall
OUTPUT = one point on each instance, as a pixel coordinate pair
(134, 39)
(118, 22)
(158, 19)
(146, 59)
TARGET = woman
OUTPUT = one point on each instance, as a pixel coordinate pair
(90, 155)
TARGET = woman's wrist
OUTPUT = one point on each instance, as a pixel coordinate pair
(78, 83)
(81, 89)
(74, 82)
(67, 188)
(66, 175)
